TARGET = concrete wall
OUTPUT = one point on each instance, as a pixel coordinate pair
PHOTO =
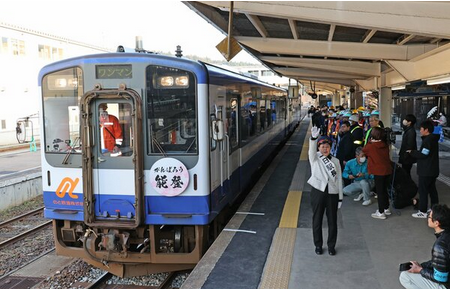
(18, 190)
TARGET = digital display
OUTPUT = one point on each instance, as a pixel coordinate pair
(121, 71)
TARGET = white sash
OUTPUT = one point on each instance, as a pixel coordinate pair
(329, 167)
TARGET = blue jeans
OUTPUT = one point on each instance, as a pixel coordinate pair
(362, 186)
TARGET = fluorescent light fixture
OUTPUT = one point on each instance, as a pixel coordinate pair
(398, 87)
(438, 80)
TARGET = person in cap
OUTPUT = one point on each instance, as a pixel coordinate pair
(326, 191)
(361, 181)
(111, 132)
(356, 132)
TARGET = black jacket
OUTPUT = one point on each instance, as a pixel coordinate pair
(346, 150)
(428, 156)
(440, 260)
(408, 143)
(357, 135)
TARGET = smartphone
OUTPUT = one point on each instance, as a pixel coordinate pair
(405, 266)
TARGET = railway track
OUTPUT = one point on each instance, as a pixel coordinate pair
(102, 282)
(17, 231)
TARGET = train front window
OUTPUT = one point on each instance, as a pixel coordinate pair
(171, 110)
(61, 92)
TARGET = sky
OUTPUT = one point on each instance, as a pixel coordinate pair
(162, 24)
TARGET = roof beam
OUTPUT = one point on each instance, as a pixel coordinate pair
(363, 68)
(210, 15)
(430, 19)
(433, 65)
(345, 82)
(352, 50)
(293, 28)
(435, 40)
(369, 35)
(257, 24)
(304, 72)
(405, 39)
(331, 32)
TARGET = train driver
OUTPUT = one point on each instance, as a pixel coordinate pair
(110, 132)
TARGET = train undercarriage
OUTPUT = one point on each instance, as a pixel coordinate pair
(133, 252)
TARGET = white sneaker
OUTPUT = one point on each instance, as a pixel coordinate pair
(368, 202)
(378, 215)
(387, 212)
(420, 215)
(358, 198)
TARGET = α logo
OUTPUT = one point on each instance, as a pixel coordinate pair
(67, 185)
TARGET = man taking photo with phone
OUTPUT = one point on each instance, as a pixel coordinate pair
(433, 273)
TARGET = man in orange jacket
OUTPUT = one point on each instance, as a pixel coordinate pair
(111, 132)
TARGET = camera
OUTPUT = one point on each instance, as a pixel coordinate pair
(390, 135)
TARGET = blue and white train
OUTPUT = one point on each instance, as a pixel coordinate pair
(187, 138)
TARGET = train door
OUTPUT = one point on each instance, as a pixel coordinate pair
(112, 170)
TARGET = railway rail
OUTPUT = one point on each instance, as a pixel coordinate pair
(17, 232)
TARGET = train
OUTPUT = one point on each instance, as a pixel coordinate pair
(142, 153)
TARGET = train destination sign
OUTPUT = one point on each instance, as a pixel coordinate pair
(115, 71)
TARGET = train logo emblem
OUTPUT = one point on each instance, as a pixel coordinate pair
(169, 177)
(67, 186)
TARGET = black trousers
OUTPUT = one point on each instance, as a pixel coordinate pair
(381, 185)
(321, 201)
(427, 185)
(407, 168)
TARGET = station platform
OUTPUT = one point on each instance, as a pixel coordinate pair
(268, 243)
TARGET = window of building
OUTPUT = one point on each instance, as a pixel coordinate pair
(44, 51)
(254, 72)
(3, 123)
(18, 47)
(4, 45)
(266, 73)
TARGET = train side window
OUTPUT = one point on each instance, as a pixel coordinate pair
(232, 114)
(62, 92)
(213, 141)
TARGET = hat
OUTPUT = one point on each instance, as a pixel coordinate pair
(375, 112)
(354, 117)
(347, 114)
(361, 108)
(324, 139)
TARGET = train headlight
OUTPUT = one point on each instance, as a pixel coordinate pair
(62, 82)
(166, 81)
(173, 81)
(182, 81)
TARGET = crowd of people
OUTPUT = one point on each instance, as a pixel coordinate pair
(349, 154)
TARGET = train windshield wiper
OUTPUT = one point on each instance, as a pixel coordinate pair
(158, 146)
(72, 148)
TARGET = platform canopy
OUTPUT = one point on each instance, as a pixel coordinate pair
(334, 44)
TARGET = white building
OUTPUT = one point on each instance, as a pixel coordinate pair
(23, 52)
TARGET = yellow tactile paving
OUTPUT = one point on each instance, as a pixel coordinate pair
(289, 217)
(277, 269)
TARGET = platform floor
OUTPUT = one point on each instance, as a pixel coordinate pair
(276, 249)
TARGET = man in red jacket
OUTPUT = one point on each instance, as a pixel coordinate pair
(111, 132)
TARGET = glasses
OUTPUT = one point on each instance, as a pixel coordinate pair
(429, 215)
